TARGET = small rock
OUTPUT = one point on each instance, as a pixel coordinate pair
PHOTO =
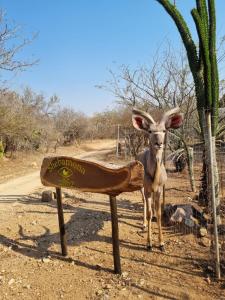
(178, 216)
(11, 281)
(46, 196)
(203, 231)
(27, 286)
(205, 242)
(99, 292)
(45, 260)
(34, 164)
(124, 274)
(142, 281)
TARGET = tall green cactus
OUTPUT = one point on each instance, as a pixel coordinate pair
(203, 65)
(201, 57)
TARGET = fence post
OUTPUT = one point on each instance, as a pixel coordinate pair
(164, 162)
(125, 144)
(213, 195)
(115, 234)
(118, 140)
(190, 153)
(61, 221)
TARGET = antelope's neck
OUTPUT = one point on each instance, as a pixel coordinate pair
(152, 156)
(159, 155)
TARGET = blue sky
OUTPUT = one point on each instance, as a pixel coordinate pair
(79, 40)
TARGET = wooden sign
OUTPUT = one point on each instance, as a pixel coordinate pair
(89, 176)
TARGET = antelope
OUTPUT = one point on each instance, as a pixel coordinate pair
(154, 170)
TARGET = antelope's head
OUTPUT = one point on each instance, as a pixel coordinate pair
(157, 130)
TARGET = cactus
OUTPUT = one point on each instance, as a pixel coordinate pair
(203, 65)
(202, 57)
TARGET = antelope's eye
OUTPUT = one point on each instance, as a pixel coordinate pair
(149, 131)
(164, 131)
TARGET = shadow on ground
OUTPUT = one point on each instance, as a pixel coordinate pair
(83, 226)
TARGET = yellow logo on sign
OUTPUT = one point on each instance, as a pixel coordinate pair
(65, 172)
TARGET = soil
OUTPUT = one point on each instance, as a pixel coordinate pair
(31, 265)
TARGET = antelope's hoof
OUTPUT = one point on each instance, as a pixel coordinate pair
(149, 248)
(162, 248)
(154, 219)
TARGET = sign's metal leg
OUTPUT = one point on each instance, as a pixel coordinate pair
(115, 235)
(62, 229)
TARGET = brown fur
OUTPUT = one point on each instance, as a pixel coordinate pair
(155, 173)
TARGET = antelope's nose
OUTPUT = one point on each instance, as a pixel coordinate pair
(158, 144)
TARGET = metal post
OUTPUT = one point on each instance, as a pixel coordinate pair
(213, 195)
(115, 235)
(61, 222)
(190, 153)
(164, 162)
(118, 140)
(125, 144)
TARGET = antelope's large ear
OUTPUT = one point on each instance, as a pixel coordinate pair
(173, 118)
(141, 120)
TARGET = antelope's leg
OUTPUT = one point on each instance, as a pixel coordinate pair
(154, 217)
(158, 210)
(149, 219)
(145, 211)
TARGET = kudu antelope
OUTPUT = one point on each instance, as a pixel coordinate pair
(155, 173)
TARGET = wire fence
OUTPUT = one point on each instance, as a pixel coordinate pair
(187, 213)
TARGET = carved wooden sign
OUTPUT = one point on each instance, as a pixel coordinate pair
(88, 176)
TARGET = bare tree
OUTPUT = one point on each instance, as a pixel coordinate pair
(11, 44)
(164, 85)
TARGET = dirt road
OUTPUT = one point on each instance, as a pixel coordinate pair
(25, 185)
(31, 266)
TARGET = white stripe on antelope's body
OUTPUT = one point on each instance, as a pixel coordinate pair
(155, 173)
